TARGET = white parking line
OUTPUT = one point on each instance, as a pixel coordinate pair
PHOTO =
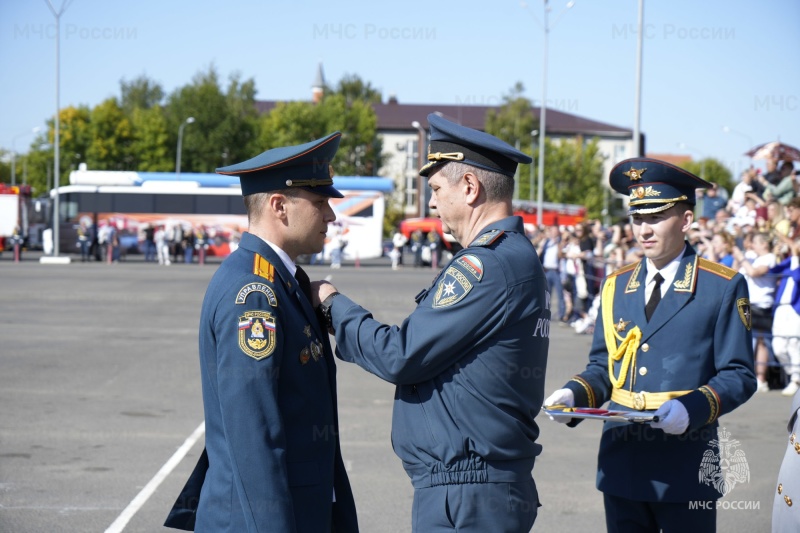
(148, 490)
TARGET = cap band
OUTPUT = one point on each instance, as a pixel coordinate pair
(444, 152)
(309, 183)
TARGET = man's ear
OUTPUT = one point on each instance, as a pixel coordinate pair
(688, 218)
(472, 187)
(277, 204)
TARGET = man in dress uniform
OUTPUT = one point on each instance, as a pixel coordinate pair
(785, 512)
(272, 460)
(469, 362)
(672, 339)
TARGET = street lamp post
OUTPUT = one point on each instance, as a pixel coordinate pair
(534, 133)
(57, 141)
(750, 144)
(180, 143)
(727, 129)
(637, 112)
(543, 109)
(14, 153)
(420, 162)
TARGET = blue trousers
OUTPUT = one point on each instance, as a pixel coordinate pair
(476, 508)
(629, 516)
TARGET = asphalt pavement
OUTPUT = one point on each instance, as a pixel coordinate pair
(100, 386)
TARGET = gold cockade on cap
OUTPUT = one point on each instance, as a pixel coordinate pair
(635, 174)
(452, 156)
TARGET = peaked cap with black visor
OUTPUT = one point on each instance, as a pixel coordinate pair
(451, 142)
(653, 186)
(305, 166)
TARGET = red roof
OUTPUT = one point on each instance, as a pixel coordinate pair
(675, 159)
(398, 117)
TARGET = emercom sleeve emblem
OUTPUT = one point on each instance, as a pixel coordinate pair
(257, 334)
(452, 288)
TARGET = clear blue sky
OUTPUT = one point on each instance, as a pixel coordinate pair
(706, 64)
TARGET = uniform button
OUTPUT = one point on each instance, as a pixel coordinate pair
(797, 446)
(645, 347)
(791, 439)
(643, 371)
(788, 500)
(780, 488)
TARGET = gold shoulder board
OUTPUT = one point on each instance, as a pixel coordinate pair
(624, 269)
(263, 268)
(716, 268)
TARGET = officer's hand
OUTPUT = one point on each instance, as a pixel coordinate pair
(561, 397)
(319, 291)
(672, 418)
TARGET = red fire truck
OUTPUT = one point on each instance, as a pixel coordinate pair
(552, 214)
(13, 214)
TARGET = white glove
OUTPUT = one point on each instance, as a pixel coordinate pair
(672, 418)
(561, 397)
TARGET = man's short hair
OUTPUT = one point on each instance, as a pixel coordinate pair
(498, 187)
(254, 204)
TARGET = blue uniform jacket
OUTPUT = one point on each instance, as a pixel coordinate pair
(785, 269)
(469, 363)
(697, 340)
(785, 516)
(272, 458)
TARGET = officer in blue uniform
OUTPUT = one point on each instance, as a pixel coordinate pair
(672, 339)
(785, 513)
(272, 460)
(469, 362)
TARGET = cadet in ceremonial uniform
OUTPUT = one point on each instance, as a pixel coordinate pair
(272, 460)
(469, 362)
(673, 338)
(785, 509)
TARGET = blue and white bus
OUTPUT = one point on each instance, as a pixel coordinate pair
(209, 202)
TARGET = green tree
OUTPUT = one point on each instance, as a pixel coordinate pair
(514, 123)
(40, 167)
(111, 135)
(150, 145)
(573, 168)
(75, 139)
(711, 170)
(573, 174)
(225, 124)
(141, 93)
(5, 166)
(360, 148)
(353, 88)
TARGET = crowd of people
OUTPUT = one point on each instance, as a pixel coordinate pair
(158, 243)
(753, 229)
